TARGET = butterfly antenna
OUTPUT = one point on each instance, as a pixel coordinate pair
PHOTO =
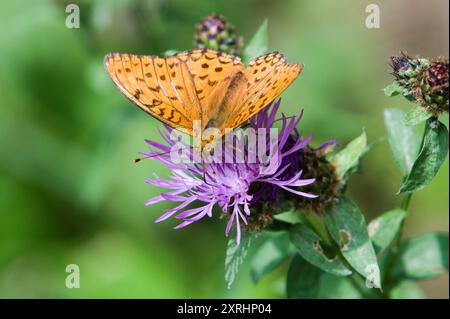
(137, 160)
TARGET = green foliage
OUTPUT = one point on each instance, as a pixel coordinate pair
(383, 229)
(334, 287)
(416, 115)
(311, 247)
(422, 257)
(258, 45)
(406, 290)
(432, 155)
(269, 256)
(404, 140)
(348, 229)
(291, 217)
(393, 89)
(302, 279)
(235, 255)
(170, 52)
(347, 160)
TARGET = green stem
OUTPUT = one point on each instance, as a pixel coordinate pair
(406, 201)
(405, 205)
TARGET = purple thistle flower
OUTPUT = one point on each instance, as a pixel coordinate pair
(229, 185)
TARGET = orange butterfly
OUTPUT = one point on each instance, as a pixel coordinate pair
(206, 85)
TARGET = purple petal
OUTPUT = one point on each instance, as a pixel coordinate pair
(183, 224)
(298, 192)
(154, 200)
(230, 223)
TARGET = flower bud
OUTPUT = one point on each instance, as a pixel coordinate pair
(406, 70)
(432, 91)
(214, 32)
(326, 185)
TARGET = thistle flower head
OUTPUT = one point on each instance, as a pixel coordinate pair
(423, 81)
(236, 188)
(315, 163)
(433, 91)
(214, 32)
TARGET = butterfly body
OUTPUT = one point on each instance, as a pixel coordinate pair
(211, 87)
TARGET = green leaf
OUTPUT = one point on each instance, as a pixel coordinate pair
(432, 155)
(170, 52)
(393, 89)
(258, 45)
(285, 216)
(416, 116)
(291, 217)
(348, 158)
(302, 281)
(334, 287)
(384, 228)
(404, 140)
(348, 229)
(235, 255)
(406, 290)
(310, 246)
(422, 257)
(269, 256)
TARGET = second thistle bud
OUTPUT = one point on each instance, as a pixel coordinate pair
(423, 81)
(433, 91)
(214, 32)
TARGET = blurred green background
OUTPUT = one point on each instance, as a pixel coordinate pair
(69, 192)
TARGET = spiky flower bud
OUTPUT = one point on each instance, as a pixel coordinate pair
(214, 32)
(406, 70)
(432, 91)
(315, 164)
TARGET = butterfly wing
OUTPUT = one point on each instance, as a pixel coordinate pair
(212, 72)
(267, 77)
(162, 87)
(200, 85)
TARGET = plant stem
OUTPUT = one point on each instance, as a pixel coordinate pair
(405, 205)
(406, 201)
